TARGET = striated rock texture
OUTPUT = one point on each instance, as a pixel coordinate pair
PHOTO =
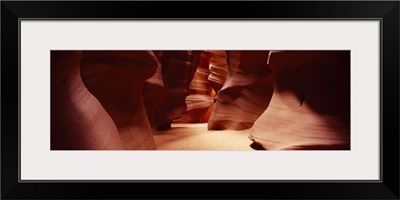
(310, 106)
(116, 79)
(218, 69)
(78, 120)
(200, 100)
(246, 92)
(154, 93)
(178, 69)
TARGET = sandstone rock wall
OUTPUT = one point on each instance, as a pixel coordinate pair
(199, 100)
(310, 106)
(154, 93)
(285, 100)
(178, 69)
(218, 69)
(116, 79)
(246, 92)
(78, 120)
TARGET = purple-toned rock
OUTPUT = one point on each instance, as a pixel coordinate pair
(310, 106)
(116, 79)
(78, 120)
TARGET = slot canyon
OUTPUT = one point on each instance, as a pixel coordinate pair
(200, 100)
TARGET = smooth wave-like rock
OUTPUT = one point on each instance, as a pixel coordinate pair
(78, 120)
(246, 92)
(218, 69)
(310, 106)
(154, 93)
(178, 69)
(199, 100)
(116, 79)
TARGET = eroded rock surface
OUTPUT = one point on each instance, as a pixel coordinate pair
(310, 106)
(178, 69)
(246, 92)
(154, 93)
(199, 100)
(116, 79)
(78, 120)
(115, 100)
(218, 69)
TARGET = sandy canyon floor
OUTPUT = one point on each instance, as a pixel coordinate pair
(198, 137)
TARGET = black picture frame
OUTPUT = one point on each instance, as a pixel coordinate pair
(386, 11)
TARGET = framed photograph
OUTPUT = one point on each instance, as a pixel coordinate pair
(107, 100)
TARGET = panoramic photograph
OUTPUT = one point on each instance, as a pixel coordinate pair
(240, 100)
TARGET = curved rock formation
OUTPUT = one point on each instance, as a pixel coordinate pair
(78, 120)
(178, 68)
(246, 92)
(310, 106)
(218, 69)
(116, 79)
(200, 100)
(154, 92)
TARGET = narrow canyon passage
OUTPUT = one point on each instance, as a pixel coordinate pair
(200, 100)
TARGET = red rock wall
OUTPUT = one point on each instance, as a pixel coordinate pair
(218, 69)
(199, 100)
(154, 93)
(246, 92)
(178, 69)
(119, 99)
(310, 106)
(78, 120)
(116, 79)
